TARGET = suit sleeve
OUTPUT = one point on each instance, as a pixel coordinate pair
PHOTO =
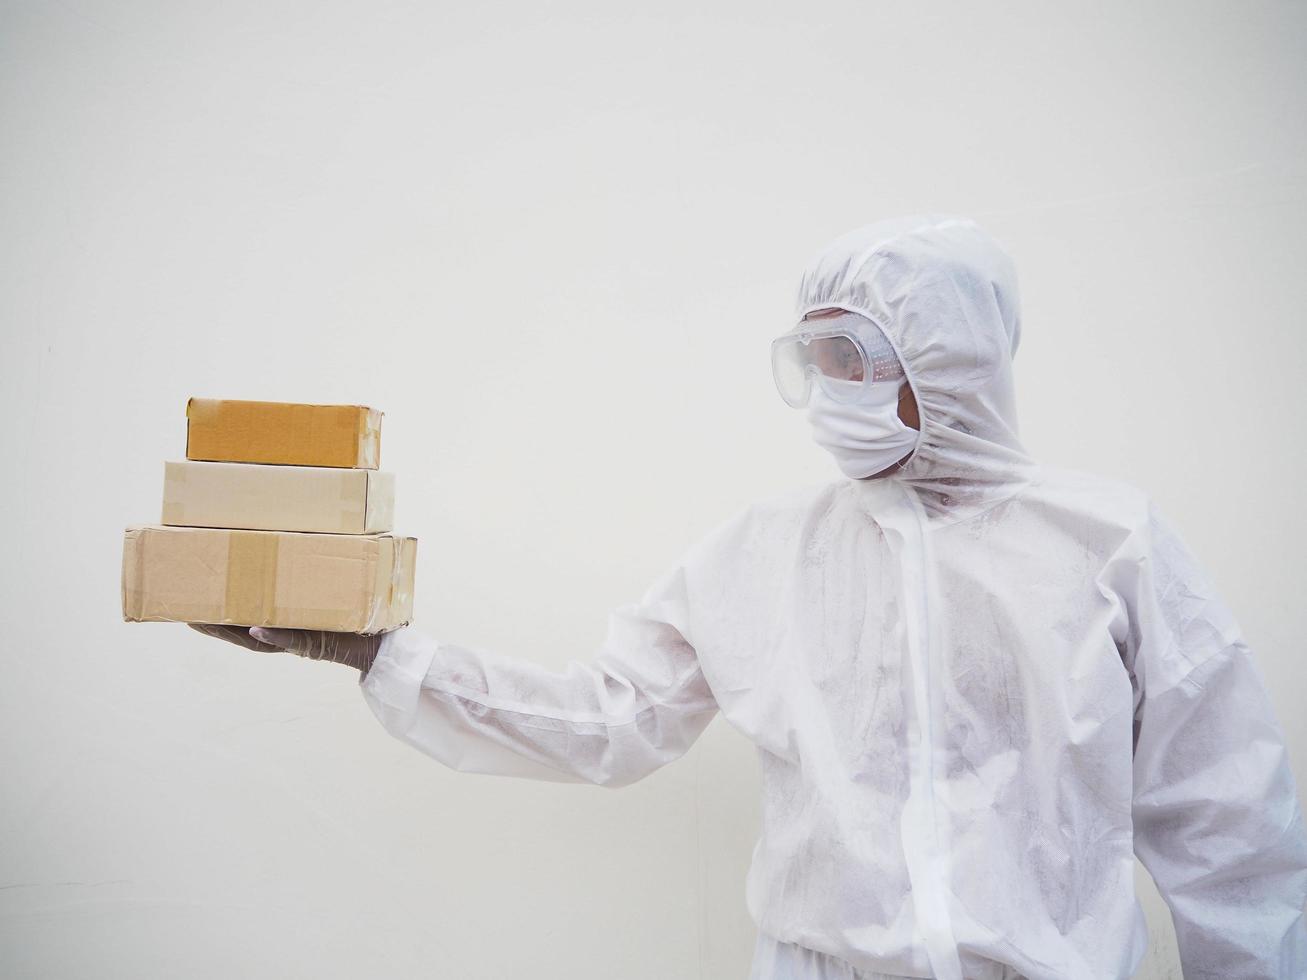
(638, 704)
(1217, 818)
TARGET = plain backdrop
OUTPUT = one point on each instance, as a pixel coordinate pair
(552, 241)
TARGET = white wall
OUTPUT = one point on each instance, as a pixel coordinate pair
(552, 242)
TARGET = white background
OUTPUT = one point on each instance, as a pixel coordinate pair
(552, 242)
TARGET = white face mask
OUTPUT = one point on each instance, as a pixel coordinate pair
(865, 437)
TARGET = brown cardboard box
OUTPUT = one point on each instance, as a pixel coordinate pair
(283, 432)
(352, 583)
(278, 498)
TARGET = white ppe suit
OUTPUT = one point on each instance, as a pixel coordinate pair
(978, 687)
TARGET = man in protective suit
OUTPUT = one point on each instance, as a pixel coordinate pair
(978, 686)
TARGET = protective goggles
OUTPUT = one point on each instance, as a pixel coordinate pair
(844, 354)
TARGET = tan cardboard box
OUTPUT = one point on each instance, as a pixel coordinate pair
(278, 498)
(352, 583)
(230, 431)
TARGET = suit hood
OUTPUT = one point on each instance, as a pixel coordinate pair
(945, 294)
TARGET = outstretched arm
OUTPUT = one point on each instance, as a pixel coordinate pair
(639, 704)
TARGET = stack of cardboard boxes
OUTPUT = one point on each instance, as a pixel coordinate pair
(279, 516)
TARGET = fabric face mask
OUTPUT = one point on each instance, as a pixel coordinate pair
(865, 436)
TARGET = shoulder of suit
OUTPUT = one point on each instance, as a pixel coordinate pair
(1095, 494)
(797, 500)
(768, 513)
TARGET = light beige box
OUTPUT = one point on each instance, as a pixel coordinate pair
(278, 498)
(351, 583)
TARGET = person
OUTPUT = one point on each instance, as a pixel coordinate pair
(978, 686)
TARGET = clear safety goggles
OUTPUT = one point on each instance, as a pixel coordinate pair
(844, 354)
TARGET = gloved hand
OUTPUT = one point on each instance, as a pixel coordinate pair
(351, 649)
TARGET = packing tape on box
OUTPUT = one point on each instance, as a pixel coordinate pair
(251, 591)
(131, 574)
(173, 476)
(351, 504)
(202, 409)
(370, 441)
(379, 600)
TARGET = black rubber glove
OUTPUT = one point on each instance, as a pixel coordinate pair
(352, 649)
